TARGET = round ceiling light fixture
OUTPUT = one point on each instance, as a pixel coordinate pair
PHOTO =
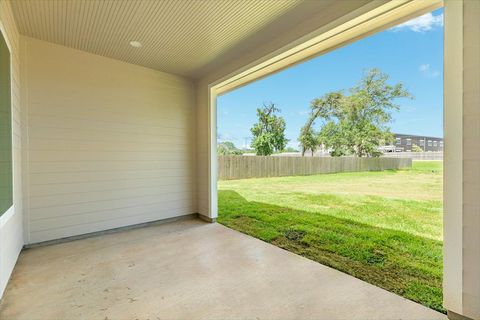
(135, 44)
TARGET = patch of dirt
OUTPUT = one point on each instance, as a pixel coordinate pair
(294, 235)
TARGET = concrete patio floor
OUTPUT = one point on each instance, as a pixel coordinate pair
(189, 270)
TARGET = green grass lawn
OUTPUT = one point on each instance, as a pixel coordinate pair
(382, 227)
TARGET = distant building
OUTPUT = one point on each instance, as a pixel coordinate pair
(404, 142)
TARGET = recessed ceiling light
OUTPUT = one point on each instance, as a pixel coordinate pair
(135, 44)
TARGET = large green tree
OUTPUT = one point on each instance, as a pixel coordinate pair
(269, 131)
(355, 123)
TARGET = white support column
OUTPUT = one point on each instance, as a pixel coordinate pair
(453, 158)
(471, 159)
(462, 162)
(213, 168)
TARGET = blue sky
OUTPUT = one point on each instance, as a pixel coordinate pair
(411, 53)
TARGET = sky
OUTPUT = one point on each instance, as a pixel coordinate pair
(411, 53)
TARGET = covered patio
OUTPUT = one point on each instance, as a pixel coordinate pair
(189, 269)
(108, 111)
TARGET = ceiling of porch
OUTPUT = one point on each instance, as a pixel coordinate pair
(177, 36)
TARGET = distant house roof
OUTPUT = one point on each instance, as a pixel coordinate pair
(404, 135)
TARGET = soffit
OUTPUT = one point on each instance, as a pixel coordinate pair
(178, 36)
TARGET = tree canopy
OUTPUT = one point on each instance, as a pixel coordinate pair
(355, 123)
(227, 148)
(269, 131)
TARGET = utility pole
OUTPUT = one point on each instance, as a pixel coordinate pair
(246, 145)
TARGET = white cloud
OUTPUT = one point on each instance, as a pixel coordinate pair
(421, 24)
(424, 67)
(427, 71)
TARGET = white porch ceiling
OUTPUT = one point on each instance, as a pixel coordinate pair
(178, 36)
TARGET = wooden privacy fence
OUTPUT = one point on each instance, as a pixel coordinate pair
(243, 167)
(417, 155)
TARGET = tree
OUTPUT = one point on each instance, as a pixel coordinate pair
(321, 108)
(416, 148)
(269, 131)
(354, 123)
(228, 148)
(309, 140)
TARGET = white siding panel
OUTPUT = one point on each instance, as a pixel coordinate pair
(89, 213)
(51, 178)
(73, 187)
(98, 166)
(50, 133)
(109, 144)
(115, 194)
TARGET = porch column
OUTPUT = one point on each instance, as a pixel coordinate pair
(462, 164)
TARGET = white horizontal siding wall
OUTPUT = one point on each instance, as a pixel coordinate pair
(11, 232)
(110, 144)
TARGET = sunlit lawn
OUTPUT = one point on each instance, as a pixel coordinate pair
(382, 227)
